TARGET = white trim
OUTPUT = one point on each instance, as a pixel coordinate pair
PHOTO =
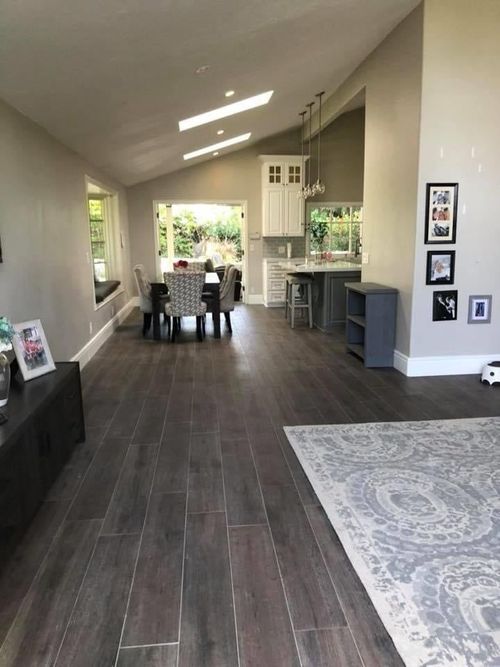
(255, 299)
(110, 297)
(92, 346)
(450, 365)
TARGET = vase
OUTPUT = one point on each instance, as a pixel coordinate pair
(4, 379)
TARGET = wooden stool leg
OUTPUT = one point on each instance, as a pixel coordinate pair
(292, 306)
(286, 299)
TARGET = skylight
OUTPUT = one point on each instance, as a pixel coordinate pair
(216, 147)
(225, 111)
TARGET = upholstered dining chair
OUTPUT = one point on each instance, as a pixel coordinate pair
(145, 304)
(185, 289)
(226, 294)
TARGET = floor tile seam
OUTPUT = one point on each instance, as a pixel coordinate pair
(341, 604)
(232, 526)
(273, 545)
(231, 578)
(131, 585)
(132, 646)
(181, 596)
(56, 536)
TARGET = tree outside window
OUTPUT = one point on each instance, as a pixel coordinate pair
(335, 228)
(98, 241)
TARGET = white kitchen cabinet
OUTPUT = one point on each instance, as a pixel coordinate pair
(282, 208)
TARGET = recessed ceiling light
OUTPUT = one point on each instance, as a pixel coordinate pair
(229, 93)
(220, 131)
(215, 153)
(202, 69)
(225, 111)
(214, 147)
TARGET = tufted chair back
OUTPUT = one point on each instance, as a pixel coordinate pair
(143, 287)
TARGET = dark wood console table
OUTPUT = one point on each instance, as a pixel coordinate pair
(45, 421)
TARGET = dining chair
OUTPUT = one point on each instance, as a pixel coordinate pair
(226, 294)
(185, 289)
(145, 303)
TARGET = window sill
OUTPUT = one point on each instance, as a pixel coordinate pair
(110, 297)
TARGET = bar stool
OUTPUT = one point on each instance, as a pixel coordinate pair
(298, 295)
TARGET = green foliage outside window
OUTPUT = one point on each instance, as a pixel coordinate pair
(98, 237)
(335, 229)
(221, 234)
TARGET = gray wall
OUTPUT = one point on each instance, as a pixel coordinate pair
(391, 77)
(237, 176)
(460, 142)
(45, 236)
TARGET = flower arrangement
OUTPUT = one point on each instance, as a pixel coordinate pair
(7, 333)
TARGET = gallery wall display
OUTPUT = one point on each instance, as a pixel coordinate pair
(440, 267)
(32, 350)
(479, 309)
(441, 212)
(444, 305)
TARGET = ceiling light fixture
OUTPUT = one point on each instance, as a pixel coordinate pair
(229, 93)
(215, 153)
(202, 69)
(214, 147)
(225, 111)
(220, 131)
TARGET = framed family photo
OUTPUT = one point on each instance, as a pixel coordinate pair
(444, 305)
(441, 212)
(479, 309)
(440, 267)
(32, 350)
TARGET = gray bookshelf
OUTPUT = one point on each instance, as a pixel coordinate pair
(371, 323)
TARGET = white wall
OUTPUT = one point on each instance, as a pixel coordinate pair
(45, 236)
(460, 115)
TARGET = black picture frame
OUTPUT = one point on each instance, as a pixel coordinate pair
(441, 205)
(440, 267)
(444, 305)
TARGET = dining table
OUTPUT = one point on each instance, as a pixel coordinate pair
(212, 286)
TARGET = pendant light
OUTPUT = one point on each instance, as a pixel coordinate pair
(308, 190)
(300, 194)
(319, 187)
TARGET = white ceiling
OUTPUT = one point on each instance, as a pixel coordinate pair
(111, 79)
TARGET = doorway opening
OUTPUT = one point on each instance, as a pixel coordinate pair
(200, 230)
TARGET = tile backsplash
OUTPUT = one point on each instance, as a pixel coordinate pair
(271, 245)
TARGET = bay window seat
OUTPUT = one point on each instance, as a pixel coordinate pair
(104, 288)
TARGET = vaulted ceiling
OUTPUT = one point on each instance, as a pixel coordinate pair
(112, 79)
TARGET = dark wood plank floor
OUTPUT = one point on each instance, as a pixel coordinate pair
(184, 532)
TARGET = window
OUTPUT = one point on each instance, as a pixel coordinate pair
(334, 228)
(105, 255)
(98, 238)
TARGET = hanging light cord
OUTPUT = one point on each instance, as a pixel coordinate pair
(302, 113)
(310, 105)
(319, 95)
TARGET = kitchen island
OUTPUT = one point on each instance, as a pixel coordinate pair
(329, 293)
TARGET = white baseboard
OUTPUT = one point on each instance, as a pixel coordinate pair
(428, 366)
(255, 299)
(89, 349)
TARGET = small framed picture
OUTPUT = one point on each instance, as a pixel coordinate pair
(440, 267)
(32, 350)
(479, 309)
(444, 305)
(441, 212)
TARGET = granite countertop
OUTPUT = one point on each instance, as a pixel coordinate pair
(309, 266)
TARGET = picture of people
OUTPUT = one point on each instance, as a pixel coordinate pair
(32, 351)
(440, 267)
(441, 212)
(441, 197)
(32, 346)
(479, 309)
(444, 305)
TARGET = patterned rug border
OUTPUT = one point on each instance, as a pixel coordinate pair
(403, 645)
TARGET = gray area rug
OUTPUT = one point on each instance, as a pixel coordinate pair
(416, 506)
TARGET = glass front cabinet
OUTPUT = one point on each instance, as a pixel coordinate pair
(282, 208)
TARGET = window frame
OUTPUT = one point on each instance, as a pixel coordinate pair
(310, 206)
(113, 237)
